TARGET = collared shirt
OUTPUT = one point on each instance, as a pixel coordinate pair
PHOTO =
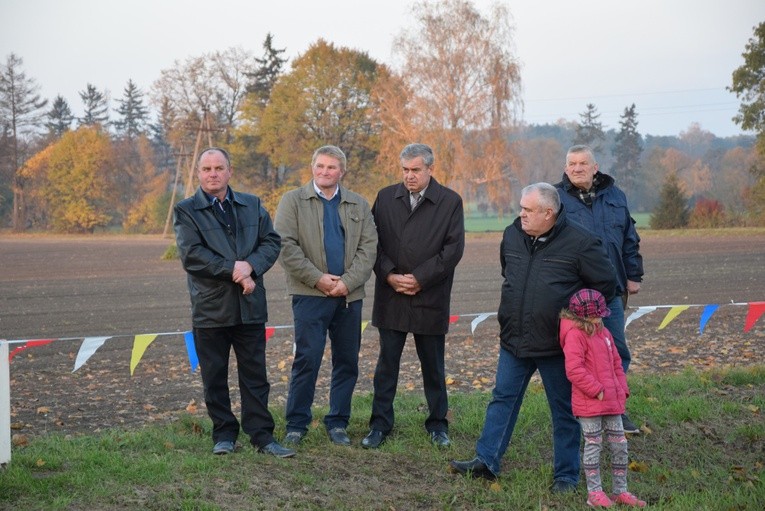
(421, 192)
(320, 194)
(227, 213)
(214, 200)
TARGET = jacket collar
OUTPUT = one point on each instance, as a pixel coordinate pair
(308, 192)
(560, 223)
(601, 182)
(201, 200)
(435, 191)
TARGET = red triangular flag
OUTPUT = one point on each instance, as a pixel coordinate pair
(269, 332)
(453, 319)
(29, 344)
(756, 309)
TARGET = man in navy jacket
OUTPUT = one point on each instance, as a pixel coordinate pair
(593, 200)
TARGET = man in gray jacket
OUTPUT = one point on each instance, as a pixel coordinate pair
(329, 243)
(226, 243)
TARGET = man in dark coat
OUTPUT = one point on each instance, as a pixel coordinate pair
(226, 243)
(545, 259)
(421, 238)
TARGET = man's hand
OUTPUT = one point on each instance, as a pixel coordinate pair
(340, 289)
(633, 287)
(327, 283)
(242, 270)
(404, 284)
(248, 285)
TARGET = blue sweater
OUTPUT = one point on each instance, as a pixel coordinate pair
(334, 236)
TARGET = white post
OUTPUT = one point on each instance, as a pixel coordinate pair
(5, 404)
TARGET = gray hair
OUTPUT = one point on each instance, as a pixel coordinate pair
(333, 151)
(548, 195)
(581, 148)
(412, 151)
(215, 150)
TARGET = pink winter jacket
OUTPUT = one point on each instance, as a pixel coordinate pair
(592, 365)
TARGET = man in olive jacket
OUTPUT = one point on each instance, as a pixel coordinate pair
(226, 243)
(329, 243)
(421, 230)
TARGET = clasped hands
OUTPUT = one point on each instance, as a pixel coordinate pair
(243, 276)
(332, 285)
(404, 284)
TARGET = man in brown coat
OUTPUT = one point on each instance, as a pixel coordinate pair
(421, 238)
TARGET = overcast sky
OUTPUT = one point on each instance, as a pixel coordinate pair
(672, 58)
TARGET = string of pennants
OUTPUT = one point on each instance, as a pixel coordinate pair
(141, 342)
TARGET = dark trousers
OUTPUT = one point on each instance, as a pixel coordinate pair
(430, 350)
(314, 317)
(213, 347)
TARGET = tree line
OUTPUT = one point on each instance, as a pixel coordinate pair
(122, 165)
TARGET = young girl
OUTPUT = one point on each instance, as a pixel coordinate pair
(599, 393)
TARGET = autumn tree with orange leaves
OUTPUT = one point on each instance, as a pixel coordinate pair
(458, 90)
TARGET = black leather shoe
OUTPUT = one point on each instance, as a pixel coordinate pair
(440, 439)
(374, 439)
(338, 436)
(475, 468)
(224, 447)
(274, 449)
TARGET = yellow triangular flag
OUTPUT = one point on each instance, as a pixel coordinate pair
(364, 326)
(140, 344)
(672, 314)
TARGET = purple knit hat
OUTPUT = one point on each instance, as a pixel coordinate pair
(588, 303)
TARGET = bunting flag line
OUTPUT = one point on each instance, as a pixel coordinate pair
(706, 315)
(139, 348)
(29, 344)
(191, 349)
(642, 311)
(141, 342)
(672, 314)
(87, 349)
(477, 321)
(756, 309)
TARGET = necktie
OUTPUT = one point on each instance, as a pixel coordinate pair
(414, 199)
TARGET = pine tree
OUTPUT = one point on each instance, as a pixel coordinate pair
(590, 130)
(96, 107)
(133, 112)
(161, 134)
(269, 68)
(627, 151)
(60, 117)
(20, 110)
(672, 211)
